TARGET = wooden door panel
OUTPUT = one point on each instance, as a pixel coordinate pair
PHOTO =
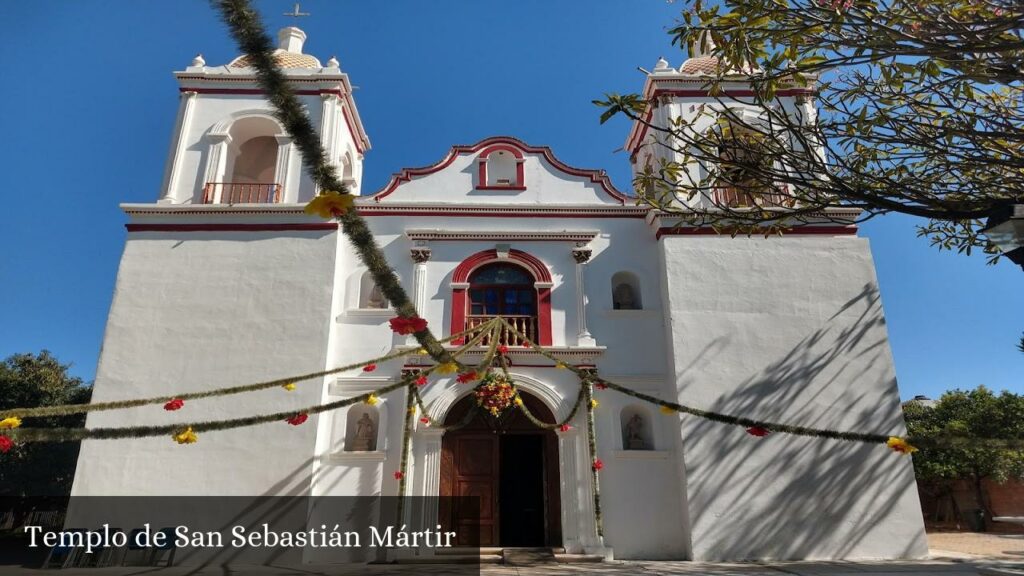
(473, 474)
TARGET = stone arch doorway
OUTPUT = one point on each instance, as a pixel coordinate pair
(511, 466)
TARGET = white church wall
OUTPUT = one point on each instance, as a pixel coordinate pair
(199, 310)
(791, 330)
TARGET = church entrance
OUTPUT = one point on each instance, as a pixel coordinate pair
(509, 468)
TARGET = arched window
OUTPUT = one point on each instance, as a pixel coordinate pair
(504, 290)
(249, 170)
(626, 292)
(744, 171)
(514, 285)
(370, 296)
(501, 167)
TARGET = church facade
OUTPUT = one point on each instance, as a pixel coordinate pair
(225, 280)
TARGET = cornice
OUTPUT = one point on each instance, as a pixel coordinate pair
(517, 235)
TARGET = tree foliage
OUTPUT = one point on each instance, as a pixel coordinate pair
(918, 108)
(33, 469)
(977, 414)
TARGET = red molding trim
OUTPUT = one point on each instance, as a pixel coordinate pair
(801, 231)
(253, 91)
(307, 226)
(531, 263)
(483, 214)
(596, 176)
(633, 143)
(481, 182)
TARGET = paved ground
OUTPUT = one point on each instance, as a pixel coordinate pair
(955, 553)
(1001, 546)
(922, 568)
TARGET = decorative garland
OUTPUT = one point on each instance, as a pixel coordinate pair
(757, 425)
(595, 463)
(249, 33)
(76, 434)
(287, 383)
(400, 475)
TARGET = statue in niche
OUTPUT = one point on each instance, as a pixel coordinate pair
(366, 435)
(635, 434)
(623, 298)
(376, 299)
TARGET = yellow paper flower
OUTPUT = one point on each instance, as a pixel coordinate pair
(329, 204)
(412, 410)
(667, 410)
(289, 386)
(560, 366)
(372, 400)
(186, 436)
(8, 423)
(594, 403)
(519, 401)
(447, 368)
(421, 351)
(900, 446)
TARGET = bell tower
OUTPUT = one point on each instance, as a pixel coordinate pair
(227, 147)
(686, 99)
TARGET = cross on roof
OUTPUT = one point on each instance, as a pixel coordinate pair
(296, 12)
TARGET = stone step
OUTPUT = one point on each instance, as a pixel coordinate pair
(487, 550)
(453, 559)
(578, 558)
(527, 556)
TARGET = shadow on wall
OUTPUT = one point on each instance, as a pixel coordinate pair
(788, 497)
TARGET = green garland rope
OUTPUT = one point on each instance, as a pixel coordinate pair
(29, 434)
(410, 409)
(710, 415)
(76, 434)
(66, 409)
(249, 33)
(592, 446)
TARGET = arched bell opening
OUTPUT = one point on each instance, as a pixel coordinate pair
(507, 468)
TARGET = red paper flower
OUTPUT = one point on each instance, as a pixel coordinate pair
(598, 465)
(425, 420)
(369, 368)
(564, 428)
(421, 381)
(407, 326)
(526, 343)
(399, 475)
(466, 377)
(6, 444)
(175, 404)
(758, 431)
(503, 349)
(298, 419)
(600, 385)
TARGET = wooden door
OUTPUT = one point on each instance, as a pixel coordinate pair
(471, 466)
(473, 471)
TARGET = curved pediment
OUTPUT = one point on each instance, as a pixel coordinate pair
(501, 170)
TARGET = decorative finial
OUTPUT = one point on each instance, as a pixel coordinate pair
(198, 61)
(333, 62)
(704, 46)
(296, 12)
(662, 64)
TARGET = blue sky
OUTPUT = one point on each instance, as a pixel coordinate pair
(89, 101)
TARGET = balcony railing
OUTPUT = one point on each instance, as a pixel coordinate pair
(523, 324)
(750, 197)
(241, 193)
